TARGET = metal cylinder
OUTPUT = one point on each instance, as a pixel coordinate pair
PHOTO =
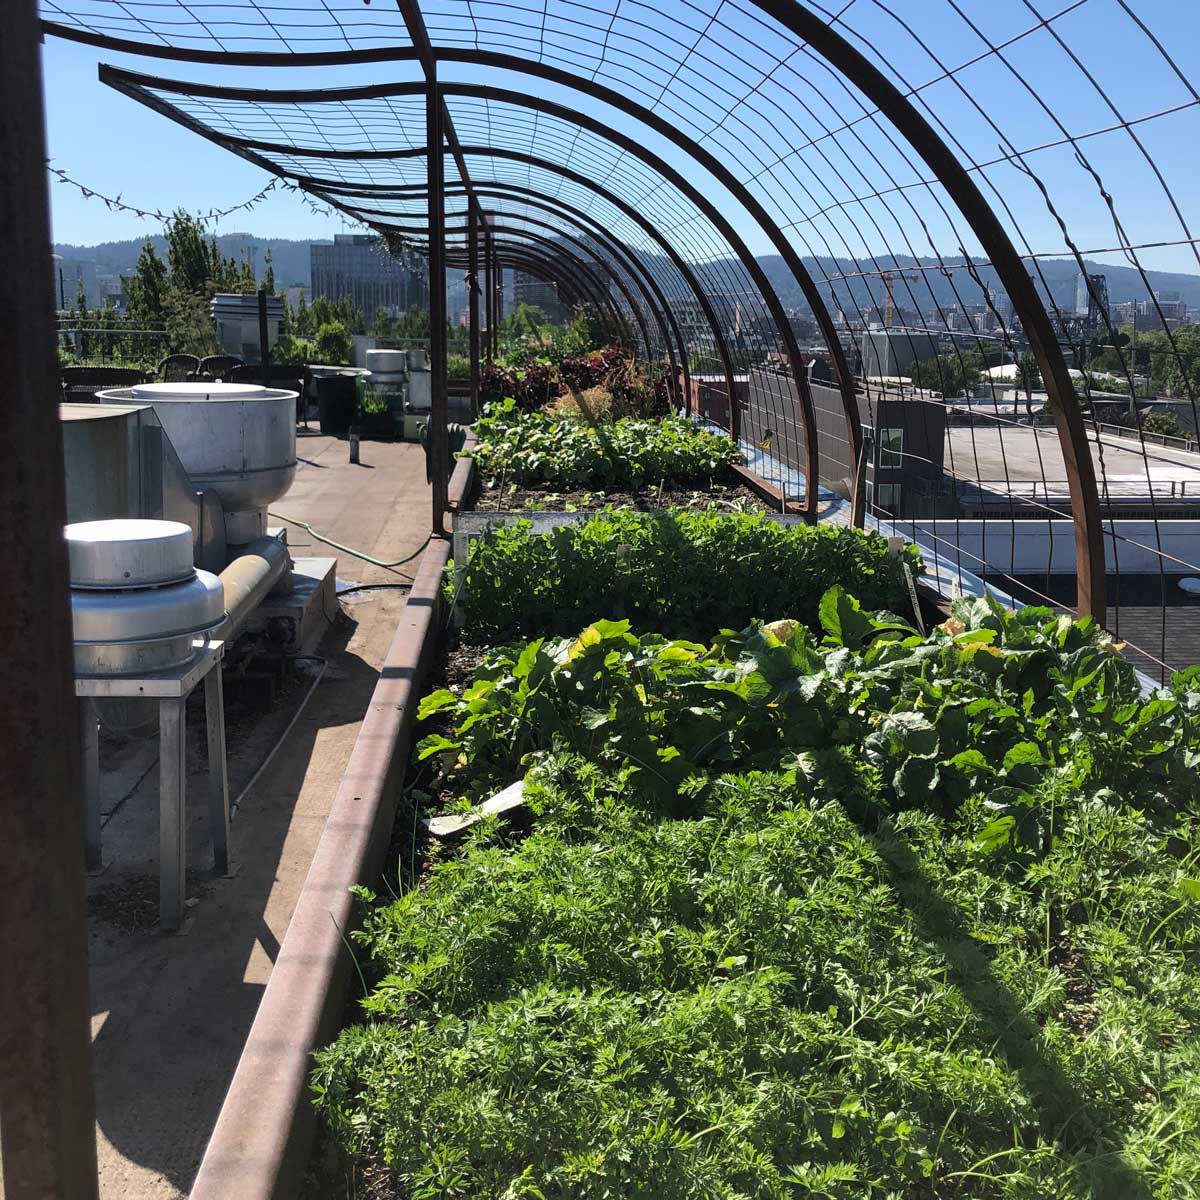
(236, 440)
(137, 603)
(129, 553)
(248, 579)
(387, 362)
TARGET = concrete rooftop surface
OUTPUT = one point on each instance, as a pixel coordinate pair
(1021, 453)
(170, 1012)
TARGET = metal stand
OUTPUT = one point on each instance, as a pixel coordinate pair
(171, 689)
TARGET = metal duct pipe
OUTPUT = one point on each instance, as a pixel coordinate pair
(248, 579)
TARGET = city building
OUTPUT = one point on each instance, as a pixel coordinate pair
(236, 317)
(890, 352)
(357, 265)
(71, 275)
(534, 292)
(1091, 299)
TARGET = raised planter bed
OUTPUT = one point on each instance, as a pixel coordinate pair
(841, 912)
(733, 493)
(556, 462)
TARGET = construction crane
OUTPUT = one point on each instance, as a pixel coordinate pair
(889, 309)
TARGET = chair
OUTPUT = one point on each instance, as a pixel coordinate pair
(293, 377)
(80, 384)
(178, 368)
(218, 366)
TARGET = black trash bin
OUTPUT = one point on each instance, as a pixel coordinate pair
(337, 400)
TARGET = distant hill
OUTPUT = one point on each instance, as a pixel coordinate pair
(292, 268)
(1124, 283)
(290, 257)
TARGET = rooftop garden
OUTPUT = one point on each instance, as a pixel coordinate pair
(803, 902)
(580, 431)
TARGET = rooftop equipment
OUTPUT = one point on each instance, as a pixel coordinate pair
(235, 440)
(397, 394)
(137, 602)
(143, 619)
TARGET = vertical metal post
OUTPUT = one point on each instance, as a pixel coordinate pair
(218, 774)
(48, 1132)
(498, 276)
(489, 295)
(439, 451)
(473, 299)
(89, 736)
(172, 811)
(264, 337)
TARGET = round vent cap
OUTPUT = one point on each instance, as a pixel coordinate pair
(129, 553)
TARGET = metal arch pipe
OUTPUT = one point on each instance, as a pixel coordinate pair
(656, 302)
(749, 263)
(325, 189)
(493, 222)
(136, 87)
(607, 267)
(712, 164)
(615, 275)
(997, 245)
(836, 50)
(519, 100)
(543, 266)
(588, 285)
(544, 269)
(601, 295)
(680, 265)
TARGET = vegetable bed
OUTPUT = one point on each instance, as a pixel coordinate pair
(560, 461)
(820, 907)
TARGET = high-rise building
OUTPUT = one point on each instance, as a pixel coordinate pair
(1091, 299)
(527, 290)
(72, 276)
(357, 265)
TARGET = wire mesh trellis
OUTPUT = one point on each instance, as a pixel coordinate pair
(1005, 417)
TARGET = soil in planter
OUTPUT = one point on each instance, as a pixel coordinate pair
(730, 494)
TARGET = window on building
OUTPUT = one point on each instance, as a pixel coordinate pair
(891, 447)
(884, 496)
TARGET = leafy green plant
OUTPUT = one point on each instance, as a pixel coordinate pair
(684, 574)
(292, 349)
(790, 990)
(990, 703)
(333, 343)
(539, 448)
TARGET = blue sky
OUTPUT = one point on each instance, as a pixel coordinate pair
(112, 144)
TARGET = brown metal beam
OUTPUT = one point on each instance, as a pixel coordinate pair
(1002, 254)
(472, 278)
(47, 1118)
(438, 438)
(497, 224)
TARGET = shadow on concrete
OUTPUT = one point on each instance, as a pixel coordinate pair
(171, 1012)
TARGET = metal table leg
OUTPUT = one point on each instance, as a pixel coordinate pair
(172, 811)
(89, 738)
(218, 775)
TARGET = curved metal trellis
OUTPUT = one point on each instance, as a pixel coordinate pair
(928, 165)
